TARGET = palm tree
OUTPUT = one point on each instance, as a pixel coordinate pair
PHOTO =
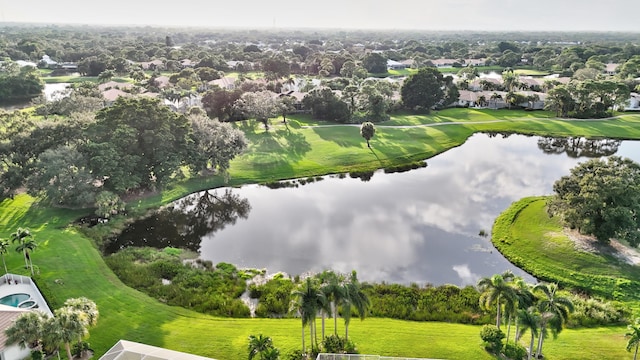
(530, 320)
(71, 326)
(4, 248)
(87, 308)
(52, 336)
(27, 330)
(307, 301)
(555, 310)
(524, 298)
(271, 354)
(496, 290)
(258, 345)
(26, 243)
(334, 292)
(633, 333)
(354, 298)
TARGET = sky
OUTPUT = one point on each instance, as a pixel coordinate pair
(484, 15)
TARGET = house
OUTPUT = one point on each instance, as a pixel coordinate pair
(114, 85)
(395, 65)
(475, 62)
(227, 83)
(187, 63)
(479, 84)
(48, 62)
(530, 83)
(409, 63)
(69, 66)
(8, 314)
(467, 98)
(152, 65)
(161, 81)
(610, 68)
(633, 104)
(111, 95)
(297, 96)
(126, 350)
(443, 63)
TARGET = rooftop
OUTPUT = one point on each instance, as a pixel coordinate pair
(125, 350)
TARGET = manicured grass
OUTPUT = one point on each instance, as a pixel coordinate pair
(529, 238)
(284, 152)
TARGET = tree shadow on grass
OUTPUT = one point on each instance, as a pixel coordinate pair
(345, 136)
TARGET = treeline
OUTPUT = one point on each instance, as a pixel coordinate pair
(216, 290)
(18, 84)
(135, 145)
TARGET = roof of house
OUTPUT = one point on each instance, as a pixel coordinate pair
(8, 314)
(223, 82)
(611, 67)
(114, 85)
(125, 350)
(113, 94)
(162, 81)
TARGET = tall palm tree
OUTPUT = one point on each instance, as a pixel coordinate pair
(258, 345)
(4, 248)
(334, 293)
(496, 290)
(307, 301)
(52, 336)
(19, 236)
(524, 298)
(529, 319)
(71, 326)
(355, 298)
(555, 310)
(87, 308)
(27, 330)
(27, 246)
(633, 333)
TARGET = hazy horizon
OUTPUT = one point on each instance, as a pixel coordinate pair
(453, 15)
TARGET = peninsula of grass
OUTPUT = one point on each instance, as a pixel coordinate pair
(526, 235)
(70, 264)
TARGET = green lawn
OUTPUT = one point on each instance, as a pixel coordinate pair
(529, 238)
(71, 266)
(77, 78)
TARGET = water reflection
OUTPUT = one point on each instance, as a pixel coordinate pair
(418, 226)
(576, 147)
(183, 223)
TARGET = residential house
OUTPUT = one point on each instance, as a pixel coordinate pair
(153, 65)
(610, 68)
(227, 83)
(114, 85)
(475, 62)
(633, 104)
(298, 96)
(111, 95)
(187, 63)
(161, 81)
(395, 65)
(443, 63)
(126, 350)
(8, 314)
(48, 62)
(479, 83)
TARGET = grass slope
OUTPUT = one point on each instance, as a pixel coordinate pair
(71, 266)
(529, 238)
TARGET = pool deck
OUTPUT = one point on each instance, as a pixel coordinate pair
(17, 284)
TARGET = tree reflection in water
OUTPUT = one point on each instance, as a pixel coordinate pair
(576, 147)
(183, 223)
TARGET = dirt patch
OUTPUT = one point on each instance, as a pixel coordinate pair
(588, 243)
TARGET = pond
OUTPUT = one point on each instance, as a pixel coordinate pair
(419, 226)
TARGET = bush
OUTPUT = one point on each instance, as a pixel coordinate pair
(514, 351)
(492, 337)
(334, 344)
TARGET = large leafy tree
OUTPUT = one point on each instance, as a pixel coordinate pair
(423, 90)
(137, 144)
(260, 105)
(216, 143)
(375, 63)
(601, 198)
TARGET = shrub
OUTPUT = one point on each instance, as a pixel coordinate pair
(514, 351)
(492, 337)
(334, 344)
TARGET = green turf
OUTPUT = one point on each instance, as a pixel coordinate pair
(71, 266)
(529, 238)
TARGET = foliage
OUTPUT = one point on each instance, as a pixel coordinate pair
(274, 297)
(514, 351)
(108, 204)
(367, 130)
(215, 143)
(18, 84)
(212, 291)
(325, 105)
(492, 338)
(375, 63)
(601, 198)
(259, 105)
(334, 344)
(423, 90)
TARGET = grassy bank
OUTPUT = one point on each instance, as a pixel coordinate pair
(71, 266)
(529, 238)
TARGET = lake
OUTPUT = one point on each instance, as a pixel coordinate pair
(419, 226)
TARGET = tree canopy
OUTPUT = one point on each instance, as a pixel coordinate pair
(423, 90)
(601, 198)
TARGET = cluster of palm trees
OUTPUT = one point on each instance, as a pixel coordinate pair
(26, 244)
(329, 294)
(35, 330)
(262, 346)
(539, 309)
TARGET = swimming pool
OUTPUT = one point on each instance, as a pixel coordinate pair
(14, 299)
